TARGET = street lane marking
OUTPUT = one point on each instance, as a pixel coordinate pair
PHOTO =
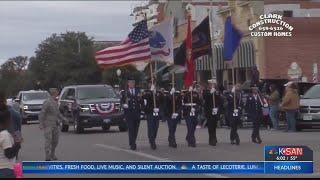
(149, 156)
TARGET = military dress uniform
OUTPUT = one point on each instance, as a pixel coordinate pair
(152, 115)
(212, 113)
(191, 112)
(254, 111)
(235, 119)
(133, 100)
(50, 118)
(175, 116)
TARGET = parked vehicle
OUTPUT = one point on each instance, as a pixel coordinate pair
(87, 106)
(30, 104)
(309, 116)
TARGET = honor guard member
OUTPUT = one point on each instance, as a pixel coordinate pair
(176, 100)
(165, 98)
(131, 101)
(152, 114)
(234, 113)
(212, 108)
(191, 110)
(254, 110)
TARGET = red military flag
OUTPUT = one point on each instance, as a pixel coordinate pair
(135, 48)
(189, 74)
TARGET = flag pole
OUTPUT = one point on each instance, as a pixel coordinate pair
(213, 51)
(152, 82)
(173, 100)
(233, 77)
(151, 75)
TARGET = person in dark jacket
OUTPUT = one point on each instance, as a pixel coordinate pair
(8, 148)
(191, 105)
(131, 101)
(212, 109)
(254, 106)
(15, 127)
(152, 113)
(174, 106)
(234, 110)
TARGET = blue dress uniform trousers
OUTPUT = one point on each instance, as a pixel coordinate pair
(172, 126)
(153, 126)
(133, 122)
(191, 122)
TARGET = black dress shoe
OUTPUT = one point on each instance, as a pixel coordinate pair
(192, 145)
(232, 142)
(212, 143)
(173, 145)
(237, 141)
(133, 147)
(254, 140)
(153, 146)
(48, 159)
(259, 141)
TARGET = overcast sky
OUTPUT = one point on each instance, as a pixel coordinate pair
(24, 24)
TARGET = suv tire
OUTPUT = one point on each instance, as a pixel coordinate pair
(123, 128)
(64, 128)
(105, 127)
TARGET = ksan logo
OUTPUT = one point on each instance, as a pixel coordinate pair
(271, 25)
(291, 151)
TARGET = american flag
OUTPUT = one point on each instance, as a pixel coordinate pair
(135, 48)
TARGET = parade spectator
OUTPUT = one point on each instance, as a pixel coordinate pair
(8, 148)
(15, 119)
(274, 101)
(290, 104)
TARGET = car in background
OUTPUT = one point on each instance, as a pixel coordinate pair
(30, 104)
(309, 114)
(87, 106)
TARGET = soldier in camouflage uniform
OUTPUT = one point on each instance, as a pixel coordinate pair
(50, 118)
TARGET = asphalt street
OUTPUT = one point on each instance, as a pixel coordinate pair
(96, 145)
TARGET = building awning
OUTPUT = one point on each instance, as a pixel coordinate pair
(244, 58)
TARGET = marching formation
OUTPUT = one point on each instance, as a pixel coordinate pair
(188, 105)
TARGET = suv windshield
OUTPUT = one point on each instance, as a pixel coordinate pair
(312, 93)
(35, 96)
(96, 93)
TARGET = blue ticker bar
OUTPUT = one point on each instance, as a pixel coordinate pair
(166, 167)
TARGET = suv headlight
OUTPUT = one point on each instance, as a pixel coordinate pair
(84, 108)
(25, 107)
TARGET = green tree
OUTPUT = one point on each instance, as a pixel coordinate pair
(13, 74)
(65, 59)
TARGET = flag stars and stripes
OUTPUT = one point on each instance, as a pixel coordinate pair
(135, 48)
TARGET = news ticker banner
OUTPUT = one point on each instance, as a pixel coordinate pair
(278, 160)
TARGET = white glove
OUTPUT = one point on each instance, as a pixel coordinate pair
(233, 89)
(174, 115)
(152, 88)
(193, 110)
(125, 106)
(145, 102)
(156, 110)
(265, 105)
(190, 88)
(172, 91)
(235, 112)
(214, 111)
(212, 90)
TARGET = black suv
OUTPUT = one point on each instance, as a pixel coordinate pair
(87, 106)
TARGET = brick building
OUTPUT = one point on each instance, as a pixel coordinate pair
(273, 56)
